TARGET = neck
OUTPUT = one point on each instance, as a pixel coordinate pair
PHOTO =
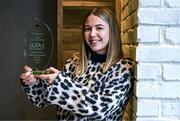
(98, 57)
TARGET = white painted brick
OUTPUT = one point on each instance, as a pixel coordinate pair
(154, 51)
(171, 109)
(173, 3)
(148, 34)
(171, 72)
(156, 119)
(173, 35)
(147, 108)
(164, 53)
(153, 3)
(157, 16)
(157, 89)
(148, 71)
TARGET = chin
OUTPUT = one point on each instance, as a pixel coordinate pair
(95, 50)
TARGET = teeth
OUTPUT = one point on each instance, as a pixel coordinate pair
(94, 42)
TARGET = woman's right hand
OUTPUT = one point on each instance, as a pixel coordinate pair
(27, 78)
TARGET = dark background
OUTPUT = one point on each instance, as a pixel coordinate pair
(16, 18)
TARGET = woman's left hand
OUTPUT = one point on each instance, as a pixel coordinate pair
(49, 77)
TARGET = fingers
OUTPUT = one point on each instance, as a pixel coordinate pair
(25, 75)
(28, 80)
(51, 69)
(27, 68)
(46, 77)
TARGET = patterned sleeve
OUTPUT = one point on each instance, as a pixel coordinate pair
(37, 93)
(72, 96)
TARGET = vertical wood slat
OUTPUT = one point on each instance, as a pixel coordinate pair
(118, 11)
(72, 39)
(59, 29)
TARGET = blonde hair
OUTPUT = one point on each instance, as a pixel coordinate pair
(114, 51)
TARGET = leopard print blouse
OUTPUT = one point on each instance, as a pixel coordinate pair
(94, 95)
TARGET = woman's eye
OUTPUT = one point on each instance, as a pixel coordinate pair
(87, 29)
(99, 28)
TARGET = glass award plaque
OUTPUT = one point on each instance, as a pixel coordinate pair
(38, 45)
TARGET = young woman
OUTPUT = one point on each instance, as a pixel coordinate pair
(94, 85)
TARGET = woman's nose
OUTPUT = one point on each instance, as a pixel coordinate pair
(93, 33)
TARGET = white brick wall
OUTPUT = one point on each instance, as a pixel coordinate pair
(148, 71)
(158, 53)
(171, 109)
(172, 35)
(172, 3)
(148, 34)
(159, 16)
(153, 3)
(171, 72)
(157, 91)
(147, 108)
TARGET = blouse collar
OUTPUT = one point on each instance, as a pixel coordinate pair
(98, 57)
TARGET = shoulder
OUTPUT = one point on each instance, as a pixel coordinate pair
(72, 62)
(126, 62)
(124, 66)
(74, 59)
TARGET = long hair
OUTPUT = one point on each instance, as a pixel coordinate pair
(114, 51)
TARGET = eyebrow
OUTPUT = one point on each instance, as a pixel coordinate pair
(95, 25)
(99, 25)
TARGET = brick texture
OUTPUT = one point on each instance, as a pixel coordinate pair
(156, 92)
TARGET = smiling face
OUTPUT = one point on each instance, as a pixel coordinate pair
(96, 34)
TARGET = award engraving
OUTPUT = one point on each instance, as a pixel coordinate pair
(38, 45)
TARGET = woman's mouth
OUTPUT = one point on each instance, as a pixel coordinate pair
(94, 42)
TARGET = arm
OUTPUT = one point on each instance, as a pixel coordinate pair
(73, 96)
(36, 88)
(37, 92)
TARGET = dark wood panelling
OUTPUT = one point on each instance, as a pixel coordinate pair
(72, 39)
